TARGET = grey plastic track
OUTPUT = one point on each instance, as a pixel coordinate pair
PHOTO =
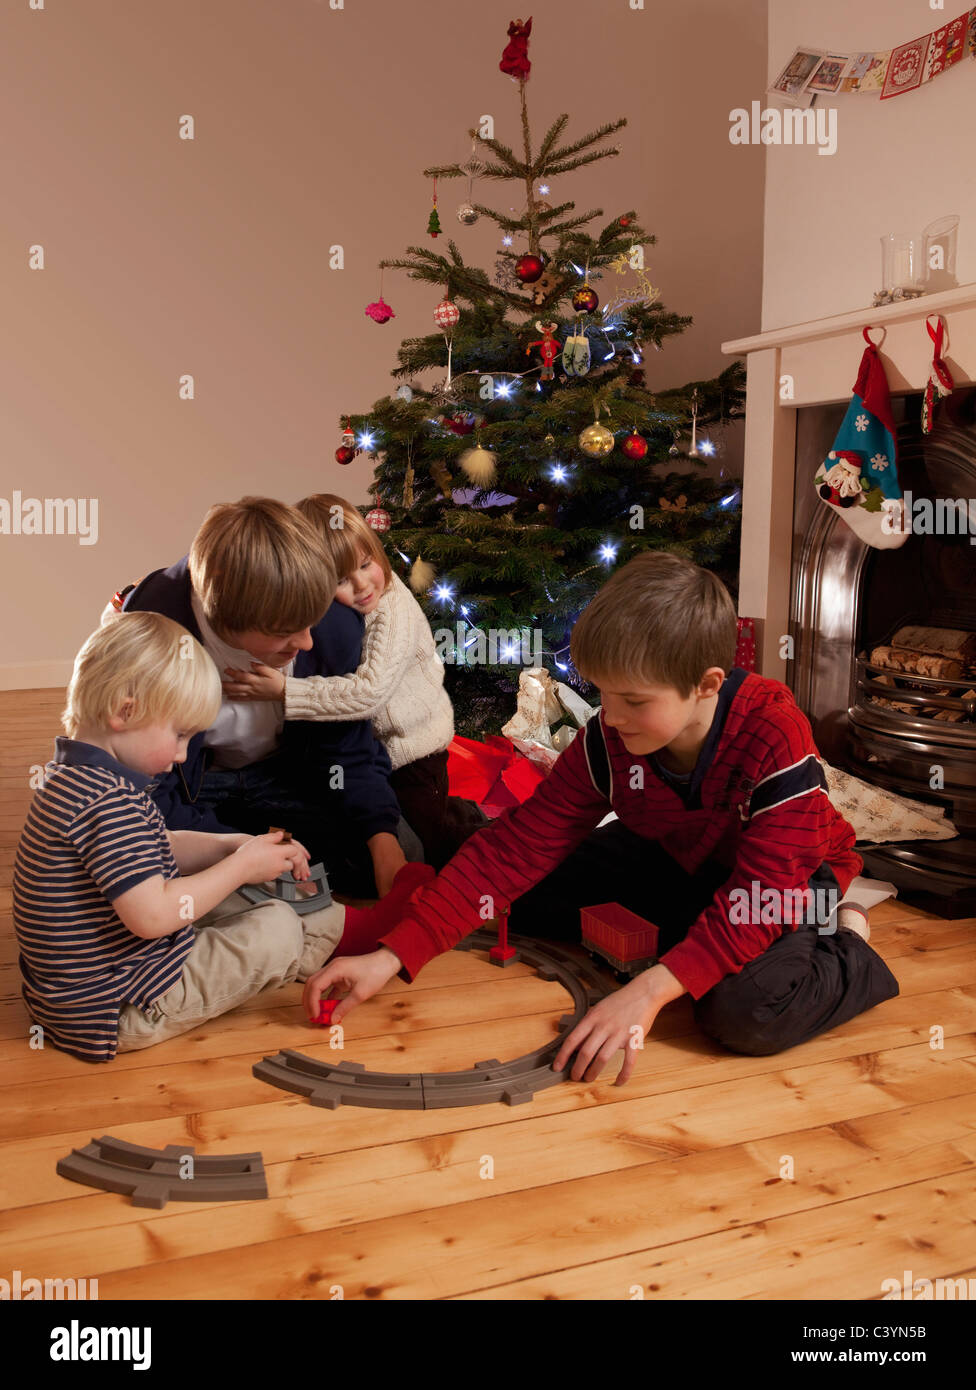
(152, 1176)
(349, 1083)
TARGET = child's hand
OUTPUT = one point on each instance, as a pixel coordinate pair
(260, 683)
(608, 1026)
(264, 857)
(360, 976)
(388, 859)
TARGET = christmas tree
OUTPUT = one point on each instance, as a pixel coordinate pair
(509, 490)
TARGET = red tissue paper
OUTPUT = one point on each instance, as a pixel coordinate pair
(493, 773)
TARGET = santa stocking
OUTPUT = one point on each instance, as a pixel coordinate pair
(940, 383)
(860, 474)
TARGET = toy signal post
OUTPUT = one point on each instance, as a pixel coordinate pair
(503, 953)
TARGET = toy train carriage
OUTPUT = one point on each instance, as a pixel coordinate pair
(624, 940)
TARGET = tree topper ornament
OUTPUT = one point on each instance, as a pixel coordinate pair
(515, 58)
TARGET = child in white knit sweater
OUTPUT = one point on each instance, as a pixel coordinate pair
(398, 686)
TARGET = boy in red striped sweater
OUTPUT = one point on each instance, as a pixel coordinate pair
(724, 826)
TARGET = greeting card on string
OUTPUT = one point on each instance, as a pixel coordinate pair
(906, 67)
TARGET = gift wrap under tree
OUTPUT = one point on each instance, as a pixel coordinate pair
(529, 468)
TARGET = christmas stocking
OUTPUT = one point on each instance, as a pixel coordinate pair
(940, 383)
(860, 474)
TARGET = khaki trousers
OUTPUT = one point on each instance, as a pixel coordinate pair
(240, 948)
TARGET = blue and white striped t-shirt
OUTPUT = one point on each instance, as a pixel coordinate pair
(91, 834)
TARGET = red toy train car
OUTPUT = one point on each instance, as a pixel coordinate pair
(626, 941)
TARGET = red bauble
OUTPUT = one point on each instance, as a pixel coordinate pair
(585, 299)
(344, 454)
(379, 519)
(446, 314)
(624, 221)
(635, 446)
(529, 269)
(379, 311)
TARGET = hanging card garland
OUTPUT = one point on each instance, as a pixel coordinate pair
(891, 71)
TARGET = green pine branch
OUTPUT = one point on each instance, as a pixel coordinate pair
(594, 137)
(564, 168)
(551, 136)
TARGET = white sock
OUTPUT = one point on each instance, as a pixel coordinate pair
(855, 919)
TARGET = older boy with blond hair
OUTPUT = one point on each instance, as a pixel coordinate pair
(257, 586)
(399, 685)
(715, 780)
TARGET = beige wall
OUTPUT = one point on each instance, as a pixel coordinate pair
(210, 257)
(899, 164)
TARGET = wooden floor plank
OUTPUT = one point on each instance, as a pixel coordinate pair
(924, 1226)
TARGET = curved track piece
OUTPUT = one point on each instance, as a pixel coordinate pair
(333, 1084)
(153, 1176)
(349, 1083)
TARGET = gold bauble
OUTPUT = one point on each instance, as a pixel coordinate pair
(596, 440)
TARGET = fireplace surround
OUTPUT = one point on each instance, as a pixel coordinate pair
(848, 601)
(806, 576)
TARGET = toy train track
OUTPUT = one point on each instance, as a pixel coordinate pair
(154, 1176)
(349, 1083)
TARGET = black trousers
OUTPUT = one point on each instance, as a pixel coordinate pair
(280, 791)
(801, 985)
(442, 822)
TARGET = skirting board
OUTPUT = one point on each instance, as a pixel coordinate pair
(36, 675)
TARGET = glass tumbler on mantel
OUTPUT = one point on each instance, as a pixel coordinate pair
(902, 265)
(939, 253)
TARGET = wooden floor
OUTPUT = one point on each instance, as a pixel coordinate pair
(673, 1183)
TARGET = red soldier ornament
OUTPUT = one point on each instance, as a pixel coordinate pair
(548, 348)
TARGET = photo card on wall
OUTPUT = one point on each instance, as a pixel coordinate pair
(792, 81)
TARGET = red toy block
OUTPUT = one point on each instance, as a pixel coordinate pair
(326, 1010)
(627, 941)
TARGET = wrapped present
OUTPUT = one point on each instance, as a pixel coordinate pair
(543, 702)
(505, 769)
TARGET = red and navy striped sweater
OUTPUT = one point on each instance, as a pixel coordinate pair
(757, 802)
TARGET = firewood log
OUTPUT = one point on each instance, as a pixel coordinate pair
(938, 641)
(917, 663)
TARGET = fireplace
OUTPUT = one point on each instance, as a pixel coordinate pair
(803, 573)
(884, 660)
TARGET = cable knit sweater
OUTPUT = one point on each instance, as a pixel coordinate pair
(399, 684)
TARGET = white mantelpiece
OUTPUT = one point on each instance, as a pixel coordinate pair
(818, 363)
